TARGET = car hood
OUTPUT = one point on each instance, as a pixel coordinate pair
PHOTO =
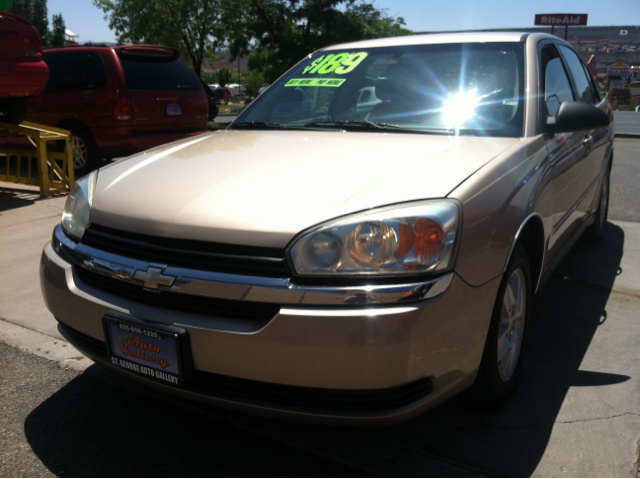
(261, 188)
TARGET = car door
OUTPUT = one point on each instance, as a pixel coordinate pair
(594, 140)
(74, 81)
(567, 153)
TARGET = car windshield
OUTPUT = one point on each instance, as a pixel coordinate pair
(465, 89)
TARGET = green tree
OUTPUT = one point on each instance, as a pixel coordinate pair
(284, 31)
(192, 26)
(270, 63)
(209, 78)
(239, 77)
(253, 83)
(57, 32)
(21, 7)
(39, 19)
(223, 76)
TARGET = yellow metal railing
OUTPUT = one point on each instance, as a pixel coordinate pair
(51, 171)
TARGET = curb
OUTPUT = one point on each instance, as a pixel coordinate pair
(43, 345)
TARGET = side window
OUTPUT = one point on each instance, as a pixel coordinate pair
(594, 85)
(75, 71)
(557, 88)
(583, 86)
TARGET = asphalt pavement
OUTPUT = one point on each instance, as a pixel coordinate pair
(60, 422)
(576, 412)
(627, 122)
(225, 118)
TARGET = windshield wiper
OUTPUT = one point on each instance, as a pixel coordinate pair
(259, 125)
(265, 125)
(366, 125)
(356, 125)
(188, 87)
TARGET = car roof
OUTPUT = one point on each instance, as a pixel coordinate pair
(436, 38)
(118, 47)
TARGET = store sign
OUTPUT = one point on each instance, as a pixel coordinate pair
(561, 19)
(619, 69)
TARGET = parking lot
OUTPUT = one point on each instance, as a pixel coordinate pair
(576, 412)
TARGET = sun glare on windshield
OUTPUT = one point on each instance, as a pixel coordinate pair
(467, 89)
(459, 108)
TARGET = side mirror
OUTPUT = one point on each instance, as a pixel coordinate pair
(574, 116)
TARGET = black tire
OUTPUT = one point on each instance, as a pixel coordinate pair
(497, 379)
(86, 154)
(13, 110)
(595, 232)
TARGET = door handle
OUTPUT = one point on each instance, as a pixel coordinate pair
(588, 142)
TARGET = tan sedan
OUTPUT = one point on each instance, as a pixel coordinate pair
(362, 243)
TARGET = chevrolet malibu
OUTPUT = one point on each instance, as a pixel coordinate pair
(339, 259)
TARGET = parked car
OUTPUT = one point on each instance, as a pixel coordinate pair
(24, 73)
(119, 99)
(213, 108)
(341, 264)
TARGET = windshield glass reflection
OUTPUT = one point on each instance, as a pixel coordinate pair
(474, 89)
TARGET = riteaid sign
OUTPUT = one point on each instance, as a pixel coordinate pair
(561, 19)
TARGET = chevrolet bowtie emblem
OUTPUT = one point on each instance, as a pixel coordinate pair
(153, 278)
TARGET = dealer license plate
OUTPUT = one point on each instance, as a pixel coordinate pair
(174, 109)
(144, 348)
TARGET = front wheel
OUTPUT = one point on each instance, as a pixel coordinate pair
(501, 362)
(596, 230)
(86, 154)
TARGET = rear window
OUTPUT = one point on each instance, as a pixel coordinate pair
(75, 71)
(148, 73)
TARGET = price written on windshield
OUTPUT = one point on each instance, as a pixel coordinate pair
(339, 63)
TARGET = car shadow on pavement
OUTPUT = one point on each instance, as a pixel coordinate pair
(510, 441)
(93, 427)
(11, 198)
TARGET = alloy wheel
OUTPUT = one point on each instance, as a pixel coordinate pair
(80, 152)
(511, 327)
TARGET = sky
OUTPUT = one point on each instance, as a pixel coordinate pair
(85, 19)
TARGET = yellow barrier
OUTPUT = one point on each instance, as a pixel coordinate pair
(53, 170)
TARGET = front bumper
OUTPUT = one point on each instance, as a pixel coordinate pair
(315, 340)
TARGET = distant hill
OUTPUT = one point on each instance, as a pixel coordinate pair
(608, 44)
(224, 61)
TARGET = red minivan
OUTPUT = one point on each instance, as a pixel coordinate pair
(119, 99)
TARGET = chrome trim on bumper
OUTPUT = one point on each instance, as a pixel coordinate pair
(248, 288)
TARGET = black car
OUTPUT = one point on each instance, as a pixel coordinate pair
(213, 106)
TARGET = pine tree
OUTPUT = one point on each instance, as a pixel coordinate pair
(39, 19)
(22, 8)
(57, 32)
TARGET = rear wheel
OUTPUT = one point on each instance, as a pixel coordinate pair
(501, 363)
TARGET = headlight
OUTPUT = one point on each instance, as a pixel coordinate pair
(75, 216)
(407, 239)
